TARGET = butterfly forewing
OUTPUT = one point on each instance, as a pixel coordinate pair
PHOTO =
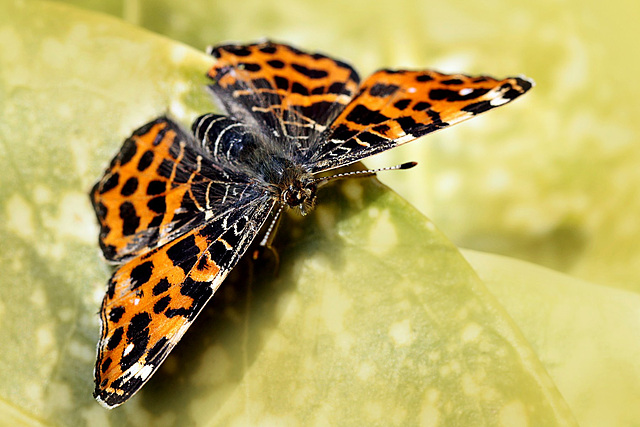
(285, 93)
(395, 107)
(139, 201)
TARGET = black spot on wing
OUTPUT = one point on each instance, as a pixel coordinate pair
(269, 48)
(145, 160)
(128, 150)
(478, 107)
(298, 88)
(161, 287)
(276, 64)
(451, 82)
(407, 123)
(281, 82)
(115, 314)
(129, 187)
(130, 218)
(343, 132)
(156, 187)
(454, 95)
(338, 88)
(105, 364)
(141, 274)
(370, 138)
(402, 104)
(312, 73)
(161, 304)
(138, 326)
(157, 205)
(237, 50)
(364, 116)
(424, 78)
(184, 253)
(381, 90)
(249, 66)
(115, 339)
(421, 106)
(110, 183)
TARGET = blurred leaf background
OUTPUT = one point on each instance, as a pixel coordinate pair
(550, 179)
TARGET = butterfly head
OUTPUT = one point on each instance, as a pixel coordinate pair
(300, 193)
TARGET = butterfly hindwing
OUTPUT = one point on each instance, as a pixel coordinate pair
(285, 93)
(139, 200)
(154, 298)
(395, 107)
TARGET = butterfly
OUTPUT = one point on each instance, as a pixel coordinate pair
(177, 209)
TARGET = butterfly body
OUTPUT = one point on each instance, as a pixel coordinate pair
(178, 209)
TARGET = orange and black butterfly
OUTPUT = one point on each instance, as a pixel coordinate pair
(178, 209)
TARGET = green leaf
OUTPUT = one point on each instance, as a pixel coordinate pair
(373, 316)
(585, 334)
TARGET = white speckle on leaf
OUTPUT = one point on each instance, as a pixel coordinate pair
(447, 183)
(34, 391)
(74, 219)
(178, 53)
(514, 414)
(38, 298)
(41, 194)
(352, 190)
(471, 332)
(430, 414)
(44, 339)
(177, 108)
(334, 306)
(401, 333)
(82, 351)
(497, 180)
(20, 217)
(366, 370)
(383, 237)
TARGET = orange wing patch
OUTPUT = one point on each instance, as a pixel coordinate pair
(395, 107)
(138, 200)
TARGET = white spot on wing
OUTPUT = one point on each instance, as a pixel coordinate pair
(127, 350)
(465, 91)
(145, 372)
(498, 101)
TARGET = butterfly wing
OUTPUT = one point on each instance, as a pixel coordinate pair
(154, 298)
(139, 200)
(395, 107)
(284, 93)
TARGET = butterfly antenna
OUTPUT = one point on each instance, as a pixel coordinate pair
(365, 173)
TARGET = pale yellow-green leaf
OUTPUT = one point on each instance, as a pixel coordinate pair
(372, 317)
(585, 334)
